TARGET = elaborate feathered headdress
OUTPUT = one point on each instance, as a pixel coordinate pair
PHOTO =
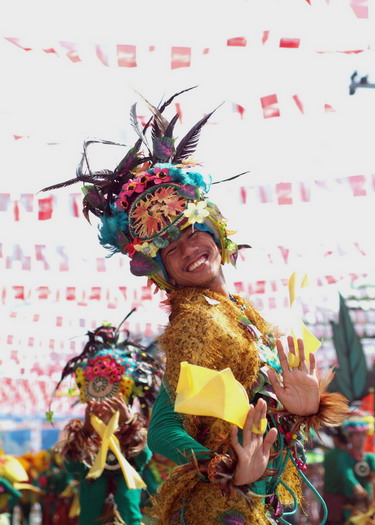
(150, 197)
(108, 367)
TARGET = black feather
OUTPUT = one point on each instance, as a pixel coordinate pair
(84, 158)
(188, 144)
(158, 117)
(169, 130)
(155, 131)
(135, 125)
(167, 102)
(130, 160)
(231, 178)
(94, 178)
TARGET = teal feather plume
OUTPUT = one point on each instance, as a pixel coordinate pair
(110, 227)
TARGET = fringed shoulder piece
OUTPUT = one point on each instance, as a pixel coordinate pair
(78, 446)
(132, 435)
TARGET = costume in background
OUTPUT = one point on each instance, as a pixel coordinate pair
(345, 471)
(143, 205)
(109, 463)
(13, 481)
(58, 495)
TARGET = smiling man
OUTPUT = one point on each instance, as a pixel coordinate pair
(194, 260)
(154, 208)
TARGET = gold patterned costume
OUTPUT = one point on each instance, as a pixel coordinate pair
(204, 330)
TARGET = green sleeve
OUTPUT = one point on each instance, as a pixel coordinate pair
(370, 458)
(9, 489)
(142, 459)
(75, 467)
(345, 470)
(166, 434)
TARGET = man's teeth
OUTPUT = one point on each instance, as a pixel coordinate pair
(195, 264)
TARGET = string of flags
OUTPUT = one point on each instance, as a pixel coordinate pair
(130, 56)
(119, 296)
(56, 258)
(26, 206)
(288, 193)
(265, 107)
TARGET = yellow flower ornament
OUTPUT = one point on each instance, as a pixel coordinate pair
(196, 212)
(147, 248)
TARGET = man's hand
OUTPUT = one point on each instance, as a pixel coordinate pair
(299, 389)
(253, 455)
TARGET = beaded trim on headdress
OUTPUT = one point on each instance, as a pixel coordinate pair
(148, 199)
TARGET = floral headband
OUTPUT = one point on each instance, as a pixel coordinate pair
(148, 199)
(358, 421)
(107, 368)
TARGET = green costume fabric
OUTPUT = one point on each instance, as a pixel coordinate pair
(92, 493)
(9, 495)
(346, 469)
(333, 484)
(340, 477)
(168, 437)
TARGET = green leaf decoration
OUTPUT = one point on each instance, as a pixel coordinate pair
(49, 416)
(130, 160)
(163, 148)
(160, 242)
(351, 373)
(143, 265)
(122, 239)
(174, 233)
(93, 197)
(189, 191)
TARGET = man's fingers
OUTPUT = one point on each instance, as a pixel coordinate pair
(260, 412)
(248, 424)
(291, 347)
(275, 382)
(269, 440)
(282, 356)
(302, 355)
(312, 364)
(234, 439)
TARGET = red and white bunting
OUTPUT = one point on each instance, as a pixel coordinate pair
(52, 258)
(28, 207)
(32, 397)
(288, 193)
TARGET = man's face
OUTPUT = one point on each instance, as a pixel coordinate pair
(193, 260)
(357, 440)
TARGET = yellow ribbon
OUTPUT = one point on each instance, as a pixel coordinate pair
(110, 441)
(75, 507)
(204, 392)
(299, 330)
(361, 518)
(27, 486)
